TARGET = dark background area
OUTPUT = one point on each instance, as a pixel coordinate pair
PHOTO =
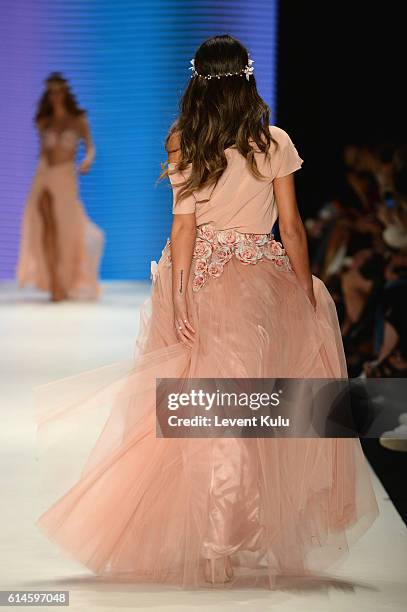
(340, 80)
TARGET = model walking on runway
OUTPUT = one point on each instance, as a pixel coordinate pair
(60, 247)
(227, 301)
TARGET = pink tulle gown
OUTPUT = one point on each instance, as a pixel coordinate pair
(148, 509)
(79, 240)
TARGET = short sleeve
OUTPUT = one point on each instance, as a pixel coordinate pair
(186, 205)
(286, 157)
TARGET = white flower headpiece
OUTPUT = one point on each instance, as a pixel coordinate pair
(247, 70)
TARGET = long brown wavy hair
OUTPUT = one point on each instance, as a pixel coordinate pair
(44, 107)
(215, 114)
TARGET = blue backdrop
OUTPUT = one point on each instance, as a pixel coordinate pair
(128, 64)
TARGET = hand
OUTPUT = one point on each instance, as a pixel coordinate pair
(85, 166)
(183, 328)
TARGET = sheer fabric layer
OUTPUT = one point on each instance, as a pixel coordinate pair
(146, 509)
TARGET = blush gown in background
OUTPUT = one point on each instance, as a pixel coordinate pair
(79, 241)
(147, 509)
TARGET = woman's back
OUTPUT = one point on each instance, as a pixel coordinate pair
(240, 200)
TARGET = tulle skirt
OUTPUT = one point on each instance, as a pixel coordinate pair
(79, 240)
(148, 509)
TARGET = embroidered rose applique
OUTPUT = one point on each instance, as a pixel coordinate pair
(214, 248)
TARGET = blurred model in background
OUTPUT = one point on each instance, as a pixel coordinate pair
(60, 246)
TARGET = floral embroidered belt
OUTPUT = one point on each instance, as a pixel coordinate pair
(214, 248)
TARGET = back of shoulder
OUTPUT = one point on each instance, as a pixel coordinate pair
(280, 135)
(285, 158)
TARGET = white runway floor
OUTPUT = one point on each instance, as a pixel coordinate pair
(40, 342)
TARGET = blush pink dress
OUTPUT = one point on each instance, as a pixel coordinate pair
(148, 509)
(79, 241)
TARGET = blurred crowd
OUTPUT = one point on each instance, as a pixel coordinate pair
(358, 247)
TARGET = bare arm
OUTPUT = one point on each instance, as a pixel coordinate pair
(293, 233)
(85, 133)
(183, 234)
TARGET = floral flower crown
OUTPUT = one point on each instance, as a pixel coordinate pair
(247, 70)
